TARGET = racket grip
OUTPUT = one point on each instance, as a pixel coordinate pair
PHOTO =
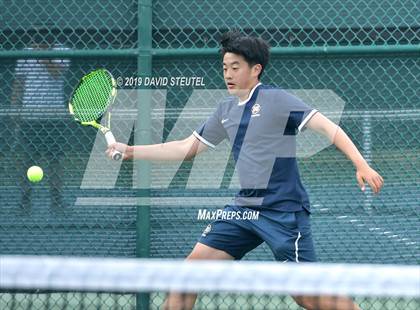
(110, 139)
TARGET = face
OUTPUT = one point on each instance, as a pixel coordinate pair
(239, 77)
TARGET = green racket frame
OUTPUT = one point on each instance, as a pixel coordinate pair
(86, 117)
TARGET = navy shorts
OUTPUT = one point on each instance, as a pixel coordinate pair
(288, 234)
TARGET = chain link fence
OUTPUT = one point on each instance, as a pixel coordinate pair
(286, 23)
(381, 91)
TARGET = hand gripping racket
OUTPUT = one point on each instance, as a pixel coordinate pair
(91, 99)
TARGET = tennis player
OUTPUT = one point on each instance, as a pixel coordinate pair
(261, 123)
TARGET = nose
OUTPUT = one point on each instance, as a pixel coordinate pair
(228, 74)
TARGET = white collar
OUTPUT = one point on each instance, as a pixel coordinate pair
(250, 95)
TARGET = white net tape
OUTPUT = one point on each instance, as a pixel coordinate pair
(147, 275)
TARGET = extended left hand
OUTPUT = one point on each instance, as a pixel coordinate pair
(370, 176)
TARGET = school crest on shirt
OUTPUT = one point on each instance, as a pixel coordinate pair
(256, 108)
(206, 231)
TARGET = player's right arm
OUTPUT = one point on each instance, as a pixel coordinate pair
(208, 134)
(184, 149)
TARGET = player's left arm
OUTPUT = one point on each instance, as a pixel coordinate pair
(364, 173)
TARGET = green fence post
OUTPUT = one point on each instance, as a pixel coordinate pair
(142, 136)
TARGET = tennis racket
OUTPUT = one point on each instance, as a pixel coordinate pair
(91, 100)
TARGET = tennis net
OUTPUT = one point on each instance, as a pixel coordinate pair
(45, 282)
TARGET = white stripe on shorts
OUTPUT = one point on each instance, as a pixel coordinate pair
(297, 248)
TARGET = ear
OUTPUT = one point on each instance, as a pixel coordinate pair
(256, 70)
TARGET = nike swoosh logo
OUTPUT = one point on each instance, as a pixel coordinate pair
(224, 120)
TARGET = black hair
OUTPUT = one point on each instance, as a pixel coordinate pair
(254, 50)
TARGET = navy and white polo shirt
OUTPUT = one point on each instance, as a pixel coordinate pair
(262, 132)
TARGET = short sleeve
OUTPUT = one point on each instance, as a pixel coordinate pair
(212, 132)
(299, 113)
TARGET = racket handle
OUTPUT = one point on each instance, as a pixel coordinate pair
(110, 139)
(116, 155)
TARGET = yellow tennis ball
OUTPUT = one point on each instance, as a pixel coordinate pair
(35, 174)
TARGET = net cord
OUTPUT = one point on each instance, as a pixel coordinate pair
(147, 275)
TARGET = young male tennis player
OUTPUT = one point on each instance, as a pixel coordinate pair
(261, 123)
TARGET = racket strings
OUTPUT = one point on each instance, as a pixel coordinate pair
(92, 97)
